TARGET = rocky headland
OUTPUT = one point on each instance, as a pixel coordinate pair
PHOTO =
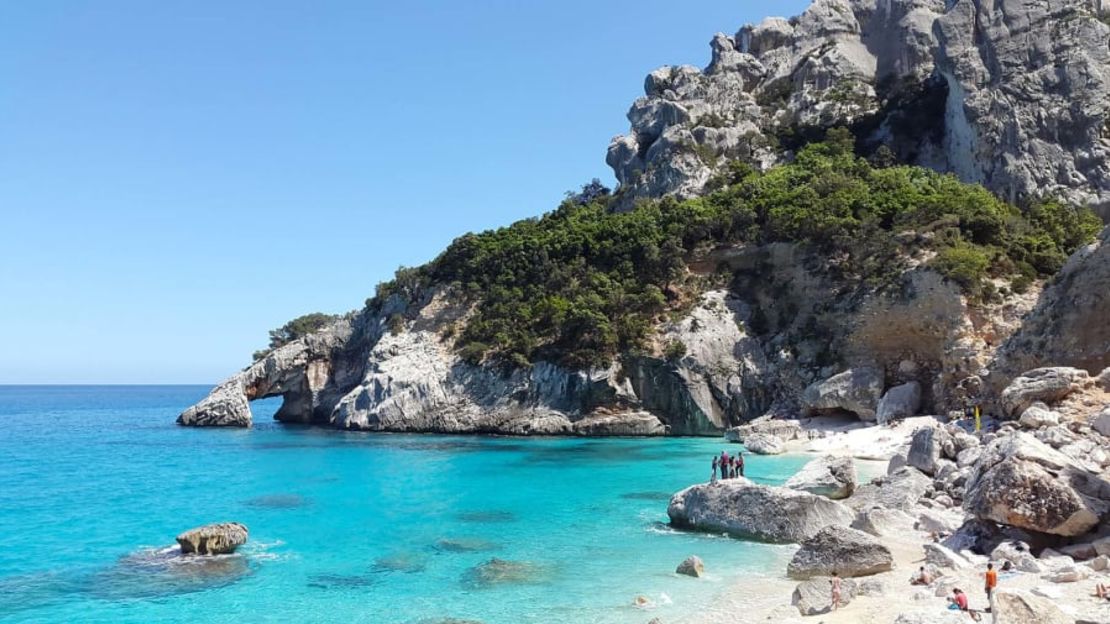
(765, 275)
(1011, 94)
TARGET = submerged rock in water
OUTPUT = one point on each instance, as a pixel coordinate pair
(503, 572)
(213, 539)
(152, 573)
(277, 501)
(342, 581)
(407, 563)
(486, 516)
(648, 496)
(465, 544)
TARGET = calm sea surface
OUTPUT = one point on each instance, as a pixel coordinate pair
(96, 481)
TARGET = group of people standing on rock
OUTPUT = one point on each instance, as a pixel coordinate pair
(729, 467)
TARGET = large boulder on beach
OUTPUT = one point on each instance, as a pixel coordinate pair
(1013, 606)
(1038, 416)
(1101, 421)
(213, 539)
(855, 390)
(1046, 385)
(764, 444)
(745, 509)
(927, 447)
(901, 401)
(840, 549)
(883, 522)
(828, 476)
(901, 489)
(814, 596)
(780, 428)
(1022, 482)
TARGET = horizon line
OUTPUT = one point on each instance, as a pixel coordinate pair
(118, 384)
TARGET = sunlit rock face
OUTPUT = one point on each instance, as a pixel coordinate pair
(1008, 93)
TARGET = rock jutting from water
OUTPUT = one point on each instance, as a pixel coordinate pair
(213, 539)
(745, 509)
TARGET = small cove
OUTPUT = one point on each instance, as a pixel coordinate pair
(345, 526)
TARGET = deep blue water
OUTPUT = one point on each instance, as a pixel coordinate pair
(344, 527)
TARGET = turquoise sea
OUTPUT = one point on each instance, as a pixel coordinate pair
(95, 482)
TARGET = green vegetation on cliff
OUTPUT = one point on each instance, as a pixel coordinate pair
(581, 284)
(294, 329)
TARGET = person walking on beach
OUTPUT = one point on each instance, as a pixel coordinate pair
(713, 479)
(739, 464)
(990, 582)
(724, 464)
(835, 583)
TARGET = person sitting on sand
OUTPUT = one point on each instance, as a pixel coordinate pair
(922, 577)
(959, 598)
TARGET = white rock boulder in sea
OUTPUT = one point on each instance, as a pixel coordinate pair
(828, 476)
(691, 566)
(213, 539)
(843, 550)
(745, 509)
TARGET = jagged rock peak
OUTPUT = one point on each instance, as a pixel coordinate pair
(1013, 94)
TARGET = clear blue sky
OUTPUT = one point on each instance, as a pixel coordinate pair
(176, 178)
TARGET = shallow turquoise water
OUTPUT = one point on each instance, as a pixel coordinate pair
(347, 527)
